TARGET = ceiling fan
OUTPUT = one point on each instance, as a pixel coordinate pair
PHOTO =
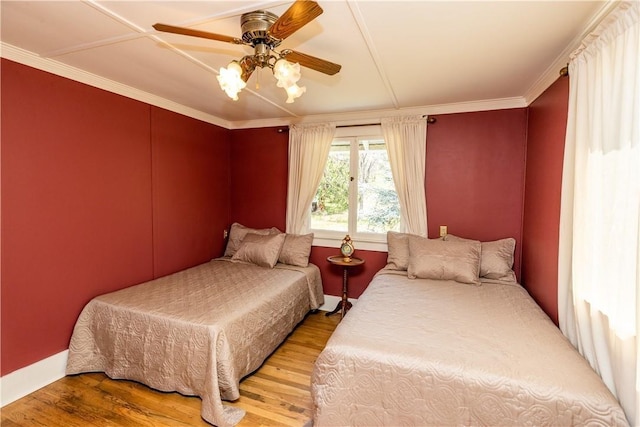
(264, 31)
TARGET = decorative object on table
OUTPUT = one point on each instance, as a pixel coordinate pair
(346, 248)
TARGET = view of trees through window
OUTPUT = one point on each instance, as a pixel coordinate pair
(370, 198)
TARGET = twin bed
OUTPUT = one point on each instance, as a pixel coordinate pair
(201, 330)
(444, 335)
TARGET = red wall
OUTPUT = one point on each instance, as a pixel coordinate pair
(545, 153)
(474, 184)
(191, 190)
(95, 190)
(259, 175)
(475, 175)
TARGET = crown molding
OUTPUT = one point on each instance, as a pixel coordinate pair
(30, 59)
(365, 117)
(553, 71)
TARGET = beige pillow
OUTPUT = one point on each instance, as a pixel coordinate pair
(262, 250)
(296, 249)
(442, 260)
(398, 251)
(496, 259)
(237, 233)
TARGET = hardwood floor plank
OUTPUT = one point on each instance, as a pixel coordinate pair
(287, 363)
(38, 411)
(9, 423)
(270, 389)
(273, 411)
(97, 406)
(284, 377)
(180, 407)
(277, 394)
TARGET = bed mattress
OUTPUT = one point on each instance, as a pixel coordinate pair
(198, 331)
(434, 352)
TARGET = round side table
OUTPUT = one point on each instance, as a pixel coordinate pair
(344, 305)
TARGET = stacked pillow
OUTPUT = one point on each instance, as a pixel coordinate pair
(398, 251)
(267, 246)
(259, 249)
(239, 231)
(497, 258)
(296, 249)
(451, 258)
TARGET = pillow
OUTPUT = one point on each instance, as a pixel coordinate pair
(258, 249)
(237, 233)
(444, 260)
(496, 260)
(398, 251)
(296, 249)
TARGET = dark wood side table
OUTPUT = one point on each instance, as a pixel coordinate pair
(344, 305)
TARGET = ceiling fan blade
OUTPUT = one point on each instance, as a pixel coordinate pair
(312, 62)
(196, 33)
(297, 16)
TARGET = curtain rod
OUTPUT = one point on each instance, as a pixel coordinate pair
(430, 120)
(564, 71)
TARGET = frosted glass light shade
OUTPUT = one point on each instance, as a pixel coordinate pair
(286, 72)
(288, 75)
(230, 80)
(294, 91)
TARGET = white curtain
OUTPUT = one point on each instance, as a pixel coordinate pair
(599, 259)
(309, 147)
(406, 139)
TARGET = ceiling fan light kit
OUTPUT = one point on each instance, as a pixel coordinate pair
(264, 31)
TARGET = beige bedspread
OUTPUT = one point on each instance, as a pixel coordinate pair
(198, 331)
(427, 352)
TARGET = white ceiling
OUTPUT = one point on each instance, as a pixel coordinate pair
(396, 56)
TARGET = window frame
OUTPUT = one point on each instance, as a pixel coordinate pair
(363, 240)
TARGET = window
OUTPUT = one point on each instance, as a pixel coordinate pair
(356, 195)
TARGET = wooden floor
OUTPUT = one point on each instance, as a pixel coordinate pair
(278, 394)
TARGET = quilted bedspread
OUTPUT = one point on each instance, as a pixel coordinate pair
(428, 352)
(198, 331)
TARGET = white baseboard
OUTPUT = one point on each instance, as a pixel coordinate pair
(331, 301)
(26, 380)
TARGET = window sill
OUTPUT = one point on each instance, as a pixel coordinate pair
(364, 244)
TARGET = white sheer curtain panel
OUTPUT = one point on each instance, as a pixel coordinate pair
(599, 259)
(309, 147)
(406, 139)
